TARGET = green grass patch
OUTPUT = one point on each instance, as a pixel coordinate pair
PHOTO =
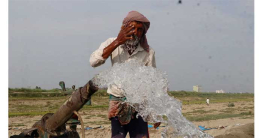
(247, 117)
(200, 111)
(165, 117)
(102, 107)
(97, 122)
(37, 94)
(218, 100)
(230, 104)
(101, 93)
(34, 108)
(89, 116)
(228, 110)
(195, 97)
(31, 90)
(200, 97)
(36, 98)
(209, 95)
(100, 101)
(14, 114)
(16, 125)
(217, 116)
(102, 116)
(247, 113)
(246, 107)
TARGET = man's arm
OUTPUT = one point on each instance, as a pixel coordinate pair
(109, 49)
(96, 58)
(124, 35)
(100, 55)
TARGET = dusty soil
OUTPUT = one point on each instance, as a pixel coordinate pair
(244, 131)
(237, 127)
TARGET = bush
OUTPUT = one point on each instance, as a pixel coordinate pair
(231, 105)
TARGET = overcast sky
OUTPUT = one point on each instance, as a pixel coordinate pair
(199, 42)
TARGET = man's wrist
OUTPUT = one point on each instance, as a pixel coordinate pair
(116, 43)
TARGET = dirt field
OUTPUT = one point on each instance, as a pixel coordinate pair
(227, 122)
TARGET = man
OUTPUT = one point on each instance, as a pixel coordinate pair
(131, 44)
(207, 101)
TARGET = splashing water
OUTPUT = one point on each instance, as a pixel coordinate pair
(146, 90)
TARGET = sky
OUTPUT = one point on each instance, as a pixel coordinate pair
(199, 42)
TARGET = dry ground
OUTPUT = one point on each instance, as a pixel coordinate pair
(96, 115)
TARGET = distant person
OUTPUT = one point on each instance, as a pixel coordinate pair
(130, 44)
(207, 101)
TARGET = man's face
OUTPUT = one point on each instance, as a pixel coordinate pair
(138, 32)
(138, 28)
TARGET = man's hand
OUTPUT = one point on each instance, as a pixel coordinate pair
(157, 125)
(125, 33)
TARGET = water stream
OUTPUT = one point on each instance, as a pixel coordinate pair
(146, 90)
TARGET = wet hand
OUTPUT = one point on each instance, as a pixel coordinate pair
(125, 33)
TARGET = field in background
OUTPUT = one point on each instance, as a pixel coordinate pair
(32, 102)
(26, 106)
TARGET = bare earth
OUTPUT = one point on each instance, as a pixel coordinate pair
(238, 127)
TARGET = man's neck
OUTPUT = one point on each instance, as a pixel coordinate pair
(130, 48)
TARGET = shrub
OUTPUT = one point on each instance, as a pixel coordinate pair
(231, 105)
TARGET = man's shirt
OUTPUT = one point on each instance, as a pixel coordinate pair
(119, 55)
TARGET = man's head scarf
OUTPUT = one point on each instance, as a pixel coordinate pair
(136, 16)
